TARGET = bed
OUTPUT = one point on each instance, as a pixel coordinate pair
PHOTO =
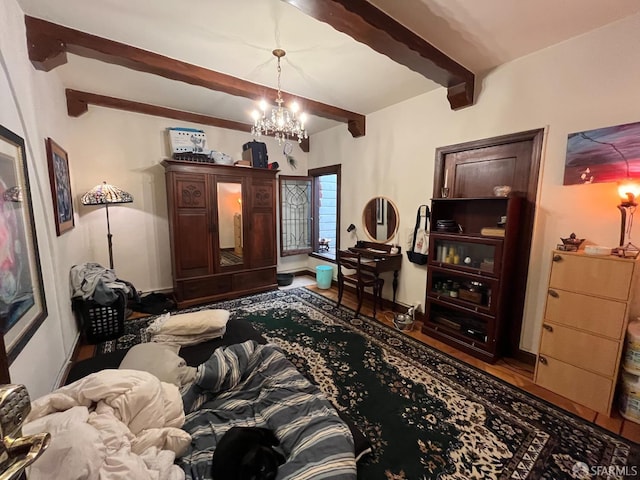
(243, 381)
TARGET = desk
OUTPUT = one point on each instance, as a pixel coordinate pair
(377, 258)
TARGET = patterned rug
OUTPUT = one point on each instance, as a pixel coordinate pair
(426, 414)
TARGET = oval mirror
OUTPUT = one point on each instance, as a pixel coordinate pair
(380, 219)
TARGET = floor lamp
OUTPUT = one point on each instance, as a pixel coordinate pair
(106, 194)
(629, 192)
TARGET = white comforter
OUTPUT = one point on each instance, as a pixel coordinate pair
(111, 425)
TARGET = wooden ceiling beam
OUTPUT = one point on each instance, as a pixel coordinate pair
(367, 24)
(49, 43)
(78, 104)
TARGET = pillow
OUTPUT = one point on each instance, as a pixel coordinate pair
(159, 360)
(186, 340)
(192, 323)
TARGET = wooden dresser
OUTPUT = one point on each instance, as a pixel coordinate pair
(584, 326)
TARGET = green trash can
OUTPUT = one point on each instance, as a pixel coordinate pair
(324, 274)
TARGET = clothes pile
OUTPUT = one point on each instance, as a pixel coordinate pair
(92, 281)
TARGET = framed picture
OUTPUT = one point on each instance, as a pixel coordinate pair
(380, 210)
(22, 303)
(603, 155)
(60, 186)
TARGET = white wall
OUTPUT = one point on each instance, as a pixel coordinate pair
(126, 149)
(585, 83)
(588, 82)
(32, 105)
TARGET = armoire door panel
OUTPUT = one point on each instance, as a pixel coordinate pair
(192, 234)
(262, 196)
(262, 240)
(191, 192)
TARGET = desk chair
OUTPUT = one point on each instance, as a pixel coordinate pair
(360, 279)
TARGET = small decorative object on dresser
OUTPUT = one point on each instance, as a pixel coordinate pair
(570, 244)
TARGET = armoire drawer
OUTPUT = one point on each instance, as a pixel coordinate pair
(204, 286)
(585, 388)
(254, 279)
(597, 315)
(581, 349)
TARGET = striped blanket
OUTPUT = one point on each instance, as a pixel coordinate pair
(247, 385)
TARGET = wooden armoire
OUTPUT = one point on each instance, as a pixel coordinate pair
(222, 223)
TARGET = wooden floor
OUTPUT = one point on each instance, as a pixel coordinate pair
(509, 370)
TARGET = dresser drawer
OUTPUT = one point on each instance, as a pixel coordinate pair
(597, 315)
(581, 349)
(585, 388)
(604, 277)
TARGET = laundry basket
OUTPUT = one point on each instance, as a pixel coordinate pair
(99, 323)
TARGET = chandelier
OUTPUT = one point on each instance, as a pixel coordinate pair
(283, 123)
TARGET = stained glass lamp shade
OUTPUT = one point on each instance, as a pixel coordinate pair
(106, 194)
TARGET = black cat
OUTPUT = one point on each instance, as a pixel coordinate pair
(246, 453)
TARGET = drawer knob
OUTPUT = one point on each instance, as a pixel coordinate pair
(542, 360)
(548, 328)
(554, 294)
(557, 258)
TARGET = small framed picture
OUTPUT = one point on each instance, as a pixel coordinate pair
(60, 186)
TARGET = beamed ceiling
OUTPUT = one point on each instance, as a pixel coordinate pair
(345, 58)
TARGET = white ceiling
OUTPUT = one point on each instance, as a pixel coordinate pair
(236, 37)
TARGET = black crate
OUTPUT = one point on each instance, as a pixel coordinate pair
(100, 323)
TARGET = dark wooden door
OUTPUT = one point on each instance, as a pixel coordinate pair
(192, 201)
(474, 169)
(260, 232)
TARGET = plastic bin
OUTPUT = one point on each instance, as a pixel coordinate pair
(631, 362)
(324, 274)
(630, 397)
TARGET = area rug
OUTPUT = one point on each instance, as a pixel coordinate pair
(426, 414)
